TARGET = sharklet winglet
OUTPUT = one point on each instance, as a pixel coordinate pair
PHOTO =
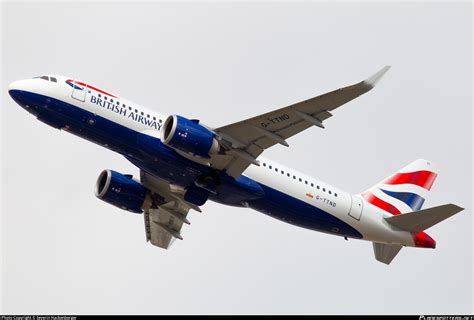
(372, 81)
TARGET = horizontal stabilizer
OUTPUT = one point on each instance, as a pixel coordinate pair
(418, 221)
(386, 252)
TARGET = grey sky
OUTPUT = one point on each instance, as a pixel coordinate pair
(64, 251)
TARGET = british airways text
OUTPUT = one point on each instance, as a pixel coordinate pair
(126, 113)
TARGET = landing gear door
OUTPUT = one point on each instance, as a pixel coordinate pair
(79, 90)
(356, 207)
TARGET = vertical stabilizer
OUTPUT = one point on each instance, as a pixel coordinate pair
(405, 190)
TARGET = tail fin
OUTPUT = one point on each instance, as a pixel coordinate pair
(405, 190)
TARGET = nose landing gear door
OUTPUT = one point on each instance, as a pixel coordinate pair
(79, 90)
(356, 207)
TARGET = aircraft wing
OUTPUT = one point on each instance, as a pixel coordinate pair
(168, 212)
(244, 141)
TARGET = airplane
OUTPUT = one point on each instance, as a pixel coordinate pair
(183, 163)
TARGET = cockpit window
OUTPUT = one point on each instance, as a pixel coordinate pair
(53, 79)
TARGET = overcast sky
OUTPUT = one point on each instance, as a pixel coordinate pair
(65, 251)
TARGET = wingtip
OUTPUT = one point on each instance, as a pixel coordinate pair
(372, 81)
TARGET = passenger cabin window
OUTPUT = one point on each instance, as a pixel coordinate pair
(294, 176)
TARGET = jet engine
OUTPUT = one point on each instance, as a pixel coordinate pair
(189, 136)
(122, 191)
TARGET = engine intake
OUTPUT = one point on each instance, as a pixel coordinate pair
(189, 136)
(121, 191)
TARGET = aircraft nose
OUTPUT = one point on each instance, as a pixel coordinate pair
(15, 91)
(18, 90)
(17, 85)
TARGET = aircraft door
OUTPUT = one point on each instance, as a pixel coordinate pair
(356, 207)
(79, 90)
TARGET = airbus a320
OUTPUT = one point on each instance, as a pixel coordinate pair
(183, 163)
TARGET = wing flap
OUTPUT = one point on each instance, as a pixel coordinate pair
(155, 234)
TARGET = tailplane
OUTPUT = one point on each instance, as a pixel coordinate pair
(415, 223)
(418, 221)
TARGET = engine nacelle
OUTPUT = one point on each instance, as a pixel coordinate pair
(189, 136)
(121, 191)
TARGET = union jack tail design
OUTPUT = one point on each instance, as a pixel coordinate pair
(404, 191)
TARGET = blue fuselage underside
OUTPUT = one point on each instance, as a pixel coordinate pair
(151, 155)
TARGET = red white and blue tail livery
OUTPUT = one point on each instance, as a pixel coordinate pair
(404, 191)
(184, 163)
